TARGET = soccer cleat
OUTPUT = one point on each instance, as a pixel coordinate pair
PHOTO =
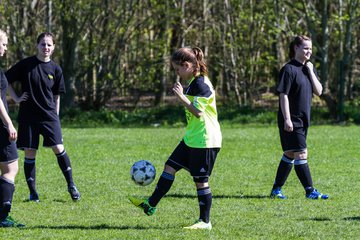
(143, 204)
(316, 195)
(9, 222)
(277, 193)
(199, 224)
(34, 197)
(74, 193)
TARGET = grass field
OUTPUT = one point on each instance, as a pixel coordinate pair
(241, 182)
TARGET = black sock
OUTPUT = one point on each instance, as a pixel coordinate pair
(30, 174)
(303, 172)
(65, 166)
(205, 201)
(283, 171)
(7, 189)
(162, 187)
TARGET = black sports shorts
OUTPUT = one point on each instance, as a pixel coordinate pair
(8, 151)
(295, 140)
(29, 134)
(198, 161)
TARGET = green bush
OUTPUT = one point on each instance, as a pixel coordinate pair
(352, 113)
(162, 116)
(174, 116)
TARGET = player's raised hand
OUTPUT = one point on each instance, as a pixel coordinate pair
(309, 65)
(178, 89)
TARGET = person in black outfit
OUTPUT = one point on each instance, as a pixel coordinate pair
(297, 83)
(8, 152)
(42, 82)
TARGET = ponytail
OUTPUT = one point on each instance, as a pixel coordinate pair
(200, 61)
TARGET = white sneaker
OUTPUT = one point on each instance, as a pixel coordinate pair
(200, 225)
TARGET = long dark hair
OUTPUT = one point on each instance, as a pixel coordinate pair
(43, 35)
(193, 55)
(297, 41)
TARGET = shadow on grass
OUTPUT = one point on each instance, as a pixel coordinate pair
(55, 200)
(318, 219)
(328, 219)
(219, 196)
(351, 218)
(95, 227)
(60, 201)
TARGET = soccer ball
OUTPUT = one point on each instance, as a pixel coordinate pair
(143, 172)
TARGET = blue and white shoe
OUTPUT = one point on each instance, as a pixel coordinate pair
(277, 193)
(316, 195)
(34, 197)
(74, 193)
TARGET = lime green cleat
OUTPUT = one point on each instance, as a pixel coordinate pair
(143, 204)
(199, 224)
(9, 222)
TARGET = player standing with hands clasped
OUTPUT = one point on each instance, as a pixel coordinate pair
(197, 151)
(42, 82)
(8, 152)
(297, 83)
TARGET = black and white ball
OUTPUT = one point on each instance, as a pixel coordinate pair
(143, 172)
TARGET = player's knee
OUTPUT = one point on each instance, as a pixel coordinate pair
(201, 179)
(30, 153)
(9, 171)
(14, 170)
(200, 185)
(289, 154)
(58, 148)
(170, 170)
(301, 155)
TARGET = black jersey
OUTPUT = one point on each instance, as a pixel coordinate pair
(295, 82)
(3, 88)
(41, 80)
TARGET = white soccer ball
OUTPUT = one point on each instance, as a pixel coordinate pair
(143, 172)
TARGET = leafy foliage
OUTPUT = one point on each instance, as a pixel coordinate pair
(110, 49)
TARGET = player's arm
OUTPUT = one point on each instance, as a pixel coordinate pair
(317, 87)
(57, 103)
(7, 121)
(285, 109)
(178, 90)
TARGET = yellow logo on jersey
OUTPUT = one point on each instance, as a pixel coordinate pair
(51, 77)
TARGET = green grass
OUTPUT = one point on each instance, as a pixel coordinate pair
(241, 182)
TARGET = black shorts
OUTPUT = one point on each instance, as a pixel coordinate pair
(29, 134)
(8, 151)
(295, 140)
(198, 161)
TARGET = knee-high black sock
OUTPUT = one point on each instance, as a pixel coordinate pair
(30, 174)
(283, 171)
(65, 166)
(205, 201)
(162, 187)
(7, 189)
(303, 172)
